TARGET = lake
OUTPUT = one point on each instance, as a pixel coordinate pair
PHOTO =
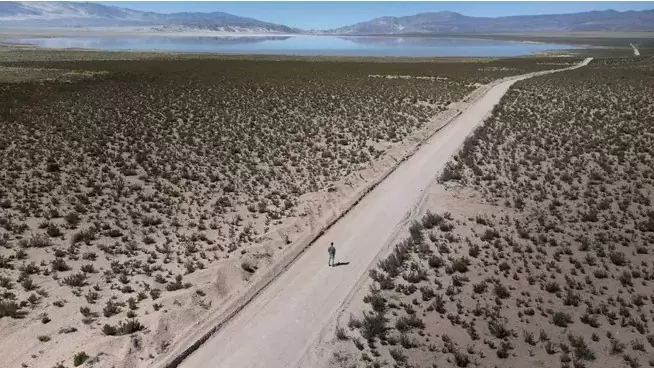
(299, 45)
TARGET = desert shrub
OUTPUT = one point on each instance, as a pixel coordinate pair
(474, 250)
(376, 300)
(480, 287)
(45, 318)
(124, 328)
(571, 298)
(58, 303)
(552, 287)
(75, 280)
(561, 319)
(650, 339)
(618, 258)
(39, 241)
(648, 225)
(398, 355)
(374, 325)
(59, 265)
(415, 230)
(407, 342)
(625, 278)
(340, 333)
(28, 284)
(109, 330)
(529, 338)
(53, 231)
(450, 172)
(176, 285)
(498, 329)
(501, 291)
(617, 347)
(490, 235)
(427, 293)
(461, 359)
(436, 262)
(73, 219)
(503, 351)
(404, 324)
(385, 281)
(519, 203)
(151, 221)
(460, 264)
(115, 233)
(6, 283)
(438, 304)
(5, 262)
(358, 344)
(415, 276)
(11, 309)
(80, 358)
(353, 323)
(155, 293)
(550, 348)
(85, 236)
(111, 308)
(638, 345)
(590, 320)
(91, 296)
(446, 227)
(88, 268)
(430, 220)
(581, 349)
(247, 267)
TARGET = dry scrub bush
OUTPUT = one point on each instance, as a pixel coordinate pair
(569, 160)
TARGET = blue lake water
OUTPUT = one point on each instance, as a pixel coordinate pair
(299, 45)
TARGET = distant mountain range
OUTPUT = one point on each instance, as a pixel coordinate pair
(452, 23)
(77, 14)
(66, 14)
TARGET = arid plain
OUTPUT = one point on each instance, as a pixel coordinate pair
(141, 194)
(534, 247)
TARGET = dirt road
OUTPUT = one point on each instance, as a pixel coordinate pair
(277, 328)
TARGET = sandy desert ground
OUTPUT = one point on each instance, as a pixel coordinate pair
(282, 322)
(140, 198)
(534, 248)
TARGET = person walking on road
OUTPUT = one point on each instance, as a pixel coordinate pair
(332, 253)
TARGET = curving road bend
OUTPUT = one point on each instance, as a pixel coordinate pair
(278, 326)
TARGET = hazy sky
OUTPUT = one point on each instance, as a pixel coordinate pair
(325, 15)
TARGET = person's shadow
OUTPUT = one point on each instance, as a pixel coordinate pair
(341, 264)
